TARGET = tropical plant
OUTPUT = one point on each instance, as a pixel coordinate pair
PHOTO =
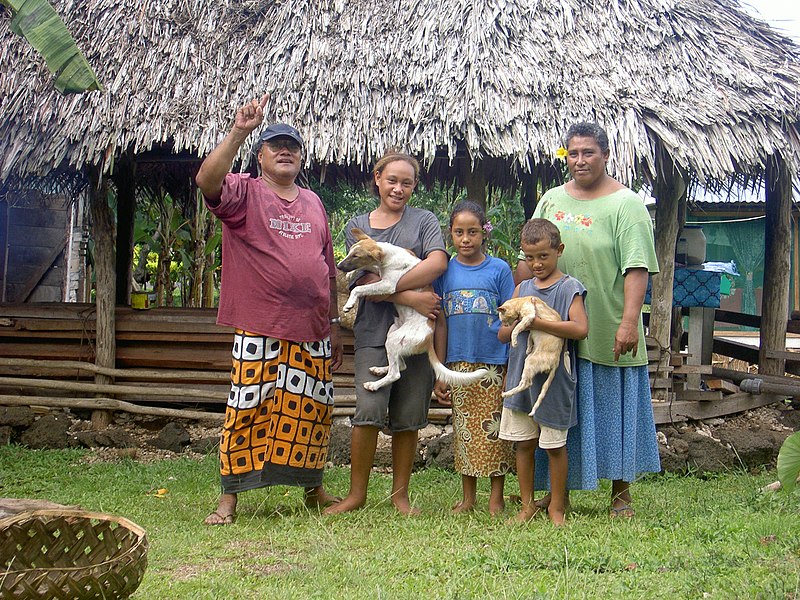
(38, 22)
(789, 462)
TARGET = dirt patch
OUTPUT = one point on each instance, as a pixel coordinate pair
(186, 572)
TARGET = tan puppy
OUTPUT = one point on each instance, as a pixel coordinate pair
(411, 333)
(544, 349)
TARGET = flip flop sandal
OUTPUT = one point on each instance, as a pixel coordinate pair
(622, 512)
(222, 519)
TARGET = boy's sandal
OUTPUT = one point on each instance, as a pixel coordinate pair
(622, 512)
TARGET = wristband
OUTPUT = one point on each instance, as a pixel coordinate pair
(335, 321)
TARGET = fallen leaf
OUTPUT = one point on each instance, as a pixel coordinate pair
(159, 493)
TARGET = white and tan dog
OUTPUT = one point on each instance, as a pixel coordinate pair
(544, 349)
(411, 333)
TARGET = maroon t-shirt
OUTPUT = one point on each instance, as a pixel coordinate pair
(277, 261)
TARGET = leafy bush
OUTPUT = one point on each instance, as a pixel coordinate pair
(503, 211)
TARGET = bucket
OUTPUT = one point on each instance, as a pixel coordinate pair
(691, 248)
(139, 300)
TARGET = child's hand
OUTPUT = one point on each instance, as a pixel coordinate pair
(442, 392)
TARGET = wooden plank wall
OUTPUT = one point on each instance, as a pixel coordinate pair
(178, 347)
(38, 229)
(179, 357)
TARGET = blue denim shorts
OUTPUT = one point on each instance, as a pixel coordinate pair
(400, 406)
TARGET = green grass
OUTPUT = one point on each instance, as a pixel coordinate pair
(718, 537)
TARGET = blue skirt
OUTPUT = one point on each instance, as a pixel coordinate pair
(615, 437)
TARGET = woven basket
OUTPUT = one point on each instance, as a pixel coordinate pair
(60, 553)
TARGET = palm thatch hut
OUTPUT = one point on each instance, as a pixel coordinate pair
(482, 91)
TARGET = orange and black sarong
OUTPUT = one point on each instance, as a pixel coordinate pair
(278, 419)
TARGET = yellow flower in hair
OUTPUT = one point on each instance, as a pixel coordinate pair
(561, 153)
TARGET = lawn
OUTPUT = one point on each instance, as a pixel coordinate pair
(718, 537)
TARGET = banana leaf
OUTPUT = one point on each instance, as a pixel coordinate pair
(789, 462)
(38, 22)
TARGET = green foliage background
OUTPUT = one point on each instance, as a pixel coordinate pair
(504, 212)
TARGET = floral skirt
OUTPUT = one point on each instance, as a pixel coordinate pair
(278, 418)
(477, 407)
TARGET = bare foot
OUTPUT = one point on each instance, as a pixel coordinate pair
(544, 502)
(496, 507)
(319, 498)
(349, 503)
(525, 514)
(403, 506)
(463, 507)
(225, 514)
(556, 516)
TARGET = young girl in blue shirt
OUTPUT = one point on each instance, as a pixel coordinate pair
(471, 289)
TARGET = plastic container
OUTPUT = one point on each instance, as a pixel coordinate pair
(140, 300)
(691, 248)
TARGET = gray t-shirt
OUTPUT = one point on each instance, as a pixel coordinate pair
(558, 407)
(417, 230)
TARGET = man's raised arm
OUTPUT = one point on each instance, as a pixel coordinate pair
(218, 163)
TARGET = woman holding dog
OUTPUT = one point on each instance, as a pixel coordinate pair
(608, 239)
(403, 405)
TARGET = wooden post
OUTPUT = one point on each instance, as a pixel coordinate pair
(670, 190)
(105, 290)
(529, 195)
(795, 262)
(475, 182)
(701, 341)
(777, 264)
(124, 178)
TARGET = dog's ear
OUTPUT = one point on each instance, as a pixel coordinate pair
(358, 234)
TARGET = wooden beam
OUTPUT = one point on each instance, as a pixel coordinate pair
(733, 349)
(701, 340)
(106, 284)
(777, 263)
(669, 189)
(795, 261)
(737, 318)
(672, 412)
(124, 178)
(105, 389)
(108, 404)
(149, 374)
(475, 181)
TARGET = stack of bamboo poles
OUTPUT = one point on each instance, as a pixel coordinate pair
(169, 361)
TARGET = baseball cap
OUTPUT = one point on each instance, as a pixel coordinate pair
(279, 130)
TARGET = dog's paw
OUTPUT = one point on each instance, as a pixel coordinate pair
(380, 371)
(507, 394)
(372, 386)
(348, 307)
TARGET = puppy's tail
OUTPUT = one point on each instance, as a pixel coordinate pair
(545, 387)
(453, 377)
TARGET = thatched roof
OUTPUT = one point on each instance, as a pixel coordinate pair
(501, 80)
